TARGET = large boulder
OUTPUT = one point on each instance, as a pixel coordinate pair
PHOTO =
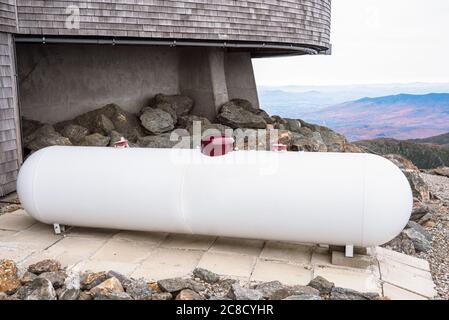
(110, 289)
(74, 132)
(245, 104)
(9, 279)
(189, 121)
(95, 140)
(47, 265)
(29, 128)
(46, 136)
(157, 121)
(38, 289)
(238, 292)
(108, 118)
(420, 242)
(441, 171)
(349, 294)
(419, 187)
(182, 105)
(162, 141)
(307, 140)
(238, 115)
(335, 142)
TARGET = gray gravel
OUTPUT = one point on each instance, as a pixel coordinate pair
(438, 255)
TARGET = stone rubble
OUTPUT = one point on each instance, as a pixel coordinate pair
(154, 124)
(70, 284)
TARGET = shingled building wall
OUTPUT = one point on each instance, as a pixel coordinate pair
(204, 49)
(280, 21)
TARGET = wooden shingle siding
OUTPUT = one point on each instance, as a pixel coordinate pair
(9, 153)
(8, 16)
(277, 21)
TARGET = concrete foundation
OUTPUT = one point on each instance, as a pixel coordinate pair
(60, 81)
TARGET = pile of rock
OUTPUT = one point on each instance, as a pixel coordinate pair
(441, 171)
(415, 238)
(46, 280)
(154, 124)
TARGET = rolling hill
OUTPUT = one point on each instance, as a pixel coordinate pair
(441, 140)
(423, 155)
(402, 117)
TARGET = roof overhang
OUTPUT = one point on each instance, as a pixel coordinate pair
(257, 49)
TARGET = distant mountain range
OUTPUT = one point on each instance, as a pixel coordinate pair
(400, 116)
(294, 101)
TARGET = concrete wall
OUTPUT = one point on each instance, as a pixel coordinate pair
(240, 79)
(59, 82)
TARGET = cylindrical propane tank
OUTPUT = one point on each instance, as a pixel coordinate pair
(331, 198)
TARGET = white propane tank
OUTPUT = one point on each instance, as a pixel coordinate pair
(329, 198)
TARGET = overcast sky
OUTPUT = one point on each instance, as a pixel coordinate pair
(374, 41)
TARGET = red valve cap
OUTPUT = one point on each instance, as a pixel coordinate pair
(214, 146)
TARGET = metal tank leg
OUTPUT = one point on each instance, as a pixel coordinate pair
(58, 228)
(349, 251)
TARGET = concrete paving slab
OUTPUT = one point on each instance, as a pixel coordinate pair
(91, 233)
(357, 261)
(237, 265)
(165, 263)
(104, 265)
(154, 238)
(185, 241)
(32, 240)
(16, 253)
(288, 274)
(390, 255)
(412, 279)
(119, 250)
(321, 257)
(359, 280)
(156, 256)
(238, 246)
(287, 252)
(17, 221)
(68, 251)
(6, 233)
(395, 293)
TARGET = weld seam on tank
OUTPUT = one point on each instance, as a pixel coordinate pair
(365, 161)
(33, 184)
(187, 224)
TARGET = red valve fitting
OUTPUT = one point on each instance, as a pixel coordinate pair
(214, 146)
(122, 143)
(279, 147)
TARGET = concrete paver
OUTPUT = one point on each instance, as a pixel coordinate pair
(165, 263)
(237, 265)
(288, 274)
(184, 241)
(156, 256)
(17, 221)
(240, 246)
(356, 279)
(288, 252)
(396, 293)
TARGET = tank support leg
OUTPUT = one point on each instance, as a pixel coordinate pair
(349, 251)
(58, 228)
